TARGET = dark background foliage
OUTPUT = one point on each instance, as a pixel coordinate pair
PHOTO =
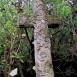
(16, 48)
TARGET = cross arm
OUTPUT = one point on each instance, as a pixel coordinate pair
(26, 21)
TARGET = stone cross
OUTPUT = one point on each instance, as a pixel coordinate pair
(40, 22)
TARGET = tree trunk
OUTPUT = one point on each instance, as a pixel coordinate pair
(73, 32)
(43, 61)
(20, 69)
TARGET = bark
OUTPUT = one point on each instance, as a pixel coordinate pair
(43, 61)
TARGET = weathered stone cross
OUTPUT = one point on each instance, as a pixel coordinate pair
(28, 22)
(43, 62)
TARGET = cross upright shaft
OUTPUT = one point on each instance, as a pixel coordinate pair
(43, 61)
